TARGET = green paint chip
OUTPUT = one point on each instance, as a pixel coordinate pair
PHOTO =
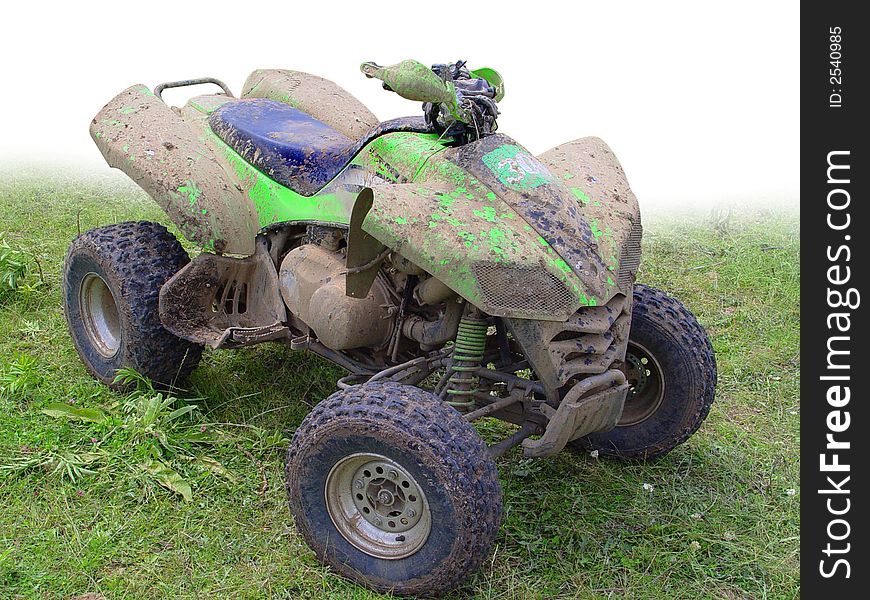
(191, 190)
(563, 266)
(496, 235)
(488, 213)
(593, 225)
(580, 194)
(446, 202)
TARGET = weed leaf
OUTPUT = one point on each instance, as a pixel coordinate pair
(168, 478)
(60, 409)
(212, 465)
(19, 377)
(13, 267)
(181, 411)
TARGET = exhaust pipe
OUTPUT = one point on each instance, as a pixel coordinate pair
(435, 333)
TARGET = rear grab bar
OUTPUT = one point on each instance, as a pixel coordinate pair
(186, 82)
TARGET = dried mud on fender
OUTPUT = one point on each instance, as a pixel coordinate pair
(139, 134)
(539, 197)
(477, 245)
(594, 176)
(316, 96)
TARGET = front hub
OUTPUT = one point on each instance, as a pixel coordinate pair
(377, 506)
(647, 385)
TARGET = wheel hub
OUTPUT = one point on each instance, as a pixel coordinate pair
(377, 506)
(646, 385)
(100, 317)
(636, 373)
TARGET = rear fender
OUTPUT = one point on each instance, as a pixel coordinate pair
(478, 246)
(319, 97)
(139, 134)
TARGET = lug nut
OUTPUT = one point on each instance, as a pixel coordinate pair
(404, 521)
(411, 513)
(393, 474)
(378, 521)
(359, 484)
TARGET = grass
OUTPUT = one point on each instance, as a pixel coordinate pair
(719, 517)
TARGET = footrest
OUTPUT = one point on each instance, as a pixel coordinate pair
(246, 336)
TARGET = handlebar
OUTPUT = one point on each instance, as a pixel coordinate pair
(454, 98)
(412, 80)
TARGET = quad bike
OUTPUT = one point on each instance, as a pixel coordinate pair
(453, 274)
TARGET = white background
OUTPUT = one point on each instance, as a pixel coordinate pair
(698, 100)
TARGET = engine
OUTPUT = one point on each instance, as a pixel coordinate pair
(312, 283)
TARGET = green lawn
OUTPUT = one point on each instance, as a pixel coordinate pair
(721, 520)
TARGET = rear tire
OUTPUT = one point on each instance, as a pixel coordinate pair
(672, 370)
(112, 277)
(435, 473)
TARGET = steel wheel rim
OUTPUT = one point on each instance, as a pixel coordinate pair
(100, 316)
(647, 385)
(377, 506)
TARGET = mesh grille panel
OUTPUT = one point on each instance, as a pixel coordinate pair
(522, 288)
(630, 259)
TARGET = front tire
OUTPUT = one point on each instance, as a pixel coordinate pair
(393, 489)
(672, 371)
(112, 277)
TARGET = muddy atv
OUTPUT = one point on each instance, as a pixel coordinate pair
(453, 274)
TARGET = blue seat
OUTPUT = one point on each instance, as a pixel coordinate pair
(291, 147)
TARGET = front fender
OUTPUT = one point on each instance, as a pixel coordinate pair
(478, 246)
(591, 171)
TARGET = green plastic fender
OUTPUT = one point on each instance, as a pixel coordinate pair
(478, 246)
(592, 173)
(139, 134)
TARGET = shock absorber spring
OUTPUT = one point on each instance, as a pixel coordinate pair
(468, 353)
